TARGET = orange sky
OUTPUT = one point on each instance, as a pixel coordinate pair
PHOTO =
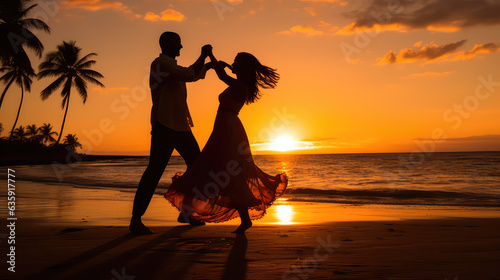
(356, 76)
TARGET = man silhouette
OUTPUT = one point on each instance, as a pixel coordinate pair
(170, 120)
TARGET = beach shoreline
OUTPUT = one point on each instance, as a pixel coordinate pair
(67, 232)
(73, 205)
(460, 248)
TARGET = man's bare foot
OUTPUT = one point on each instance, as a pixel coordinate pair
(243, 227)
(137, 227)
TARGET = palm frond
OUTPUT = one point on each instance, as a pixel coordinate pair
(92, 80)
(6, 68)
(8, 76)
(26, 80)
(52, 87)
(26, 11)
(84, 59)
(35, 24)
(81, 87)
(91, 73)
(55, 58)
(50, 56)
(33, 42)
(49, 65)
(49, 73)
(84, 65)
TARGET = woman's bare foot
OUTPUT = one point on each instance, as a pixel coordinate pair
(243, 227)
(137, 227)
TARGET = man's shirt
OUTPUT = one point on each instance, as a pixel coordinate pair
(168, 90)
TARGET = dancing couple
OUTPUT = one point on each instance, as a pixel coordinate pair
(222, 181)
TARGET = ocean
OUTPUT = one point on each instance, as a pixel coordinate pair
(464, 180)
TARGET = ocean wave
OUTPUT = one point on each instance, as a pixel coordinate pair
(395, 197)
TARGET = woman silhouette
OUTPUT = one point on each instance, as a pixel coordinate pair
(224, 182)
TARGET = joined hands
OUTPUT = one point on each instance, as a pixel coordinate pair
(206, 50)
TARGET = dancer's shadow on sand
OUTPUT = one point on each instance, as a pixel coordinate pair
(146, 260)
(70, 266)
(236, 266)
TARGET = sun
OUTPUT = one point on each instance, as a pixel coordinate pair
(284, 214)
(282, 144)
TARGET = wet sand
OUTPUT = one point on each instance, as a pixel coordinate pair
(64, 232)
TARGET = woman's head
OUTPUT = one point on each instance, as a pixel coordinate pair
(254, 75)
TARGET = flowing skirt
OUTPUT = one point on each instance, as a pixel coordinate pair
(224, 178)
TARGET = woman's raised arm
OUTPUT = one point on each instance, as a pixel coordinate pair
(221, 73)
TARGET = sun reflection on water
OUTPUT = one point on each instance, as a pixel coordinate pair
(285, 214)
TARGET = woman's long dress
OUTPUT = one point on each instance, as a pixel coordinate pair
(224, 178)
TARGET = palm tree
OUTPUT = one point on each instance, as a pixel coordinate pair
(22, 76)
(19, 133)
(47, 135)
(15, 34)
(70, 70)
(1, 128)
(72, 141)
(33, 132)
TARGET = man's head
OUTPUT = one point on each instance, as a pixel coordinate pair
(170, 43)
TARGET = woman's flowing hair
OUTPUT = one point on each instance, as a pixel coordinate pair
(256, 76)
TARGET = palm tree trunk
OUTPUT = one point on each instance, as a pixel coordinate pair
(18, 111)
(5, 90)
(64, 120)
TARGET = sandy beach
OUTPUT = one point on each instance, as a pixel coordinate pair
(65, 232)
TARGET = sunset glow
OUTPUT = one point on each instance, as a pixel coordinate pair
(354, 77)
(284, 214)
(283, 144)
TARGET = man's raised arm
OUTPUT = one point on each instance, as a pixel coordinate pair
(186, 74)
(198, 65)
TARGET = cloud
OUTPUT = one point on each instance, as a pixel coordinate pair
(306, 144)
(428, 52)
(329, 3)
(319, 28)
(96, 5)
(311, 11)
(166, 15)
(306, 30)
(296, 145)
(478, 49)
(432, 52)
(476, 138)
(433, 15)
